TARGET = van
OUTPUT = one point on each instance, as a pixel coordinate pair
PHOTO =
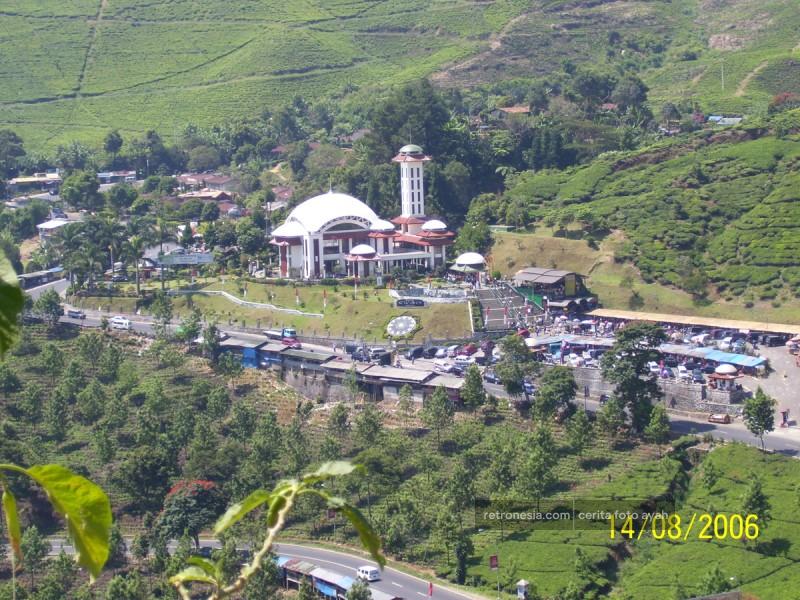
(120, 323)
(368, 573)
(415, 352)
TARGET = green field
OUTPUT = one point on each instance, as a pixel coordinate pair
(363, 316)
(77, 70)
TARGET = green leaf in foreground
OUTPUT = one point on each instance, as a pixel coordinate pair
(193, 573)
(236, 512)
(86, 509)
(12, 522)
(12, 301)
(366, 533)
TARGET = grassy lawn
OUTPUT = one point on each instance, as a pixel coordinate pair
(347, 315)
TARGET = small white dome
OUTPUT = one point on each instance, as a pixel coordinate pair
(726, 369)
(362, 250)
(470, 258)
(382, 225)
(434, 225)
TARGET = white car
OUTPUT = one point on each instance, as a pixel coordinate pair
(452, 350)
(463, 361)
(653, 366)
(120, 323)
(684, 373)
(442, 366)
(725, 344)
(441, 353)
(368, 573)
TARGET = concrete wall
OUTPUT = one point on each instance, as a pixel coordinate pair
(693, 397)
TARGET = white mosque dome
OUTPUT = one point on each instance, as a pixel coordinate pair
(362, 250)
(410, 149)
(470, 259)
(314, 213)
(382, 225)
(434, 225)
(726, 369)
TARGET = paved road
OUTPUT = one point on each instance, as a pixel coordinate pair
(59, 285)
(784, 441)
(392, 581)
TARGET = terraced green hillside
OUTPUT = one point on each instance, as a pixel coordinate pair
(716, 212)
(76, 69)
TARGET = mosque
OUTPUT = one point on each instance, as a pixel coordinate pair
(335, 233)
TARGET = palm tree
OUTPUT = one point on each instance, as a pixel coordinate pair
(134, 248)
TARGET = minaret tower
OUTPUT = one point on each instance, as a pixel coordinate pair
(412, 193)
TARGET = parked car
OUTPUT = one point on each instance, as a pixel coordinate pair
(119, 277)
(351, 347)
(528, 387)
(376, 350)
(604, 398)
(670, 361)
(360, 355)
(415, 352)
(74, 313)
(684, 373)
(723, 418)
(441, 352)
(442, 366)
(384, 358)
(452, 350)
(463, 361)
(725, 343)
(430, 352)
(697, 376)
(653, 366)
(523, 332)
(468, 349)
(490, 376)
(120, 323)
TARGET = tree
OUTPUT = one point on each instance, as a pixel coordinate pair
(611, 417)
(755, 502)
(190, 327)
(89, 402)
(368, 425)
(579, 431)
(516, 364)
(358, 591)
(144, 476)
(128, 586)
(189, 507)
(625, 365)
(81, 190)
(121, 197)
(35, 549)
(339, 421)
(557, 389)
(30, 403)
(112, 143)
(472, 392)
(536, 473)
(351, 383)
(116, 547)
(11, 151)
(48, 307)
(161, 309)
(230, 367)
(56, 416)
(306, 591)
(759, 415)
(657, 430)
(210, 344)
(405, 404)
(473, 237)
(9, 382)
(135, 248)
(437, 412)
(51, 360)
(210, 212)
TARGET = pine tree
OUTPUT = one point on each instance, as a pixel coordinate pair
(657, 430)
(579, 431)
(437, 412)
(755, 502)
(472, 392)
(34, 550)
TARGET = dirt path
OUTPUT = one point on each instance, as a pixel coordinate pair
(742, 87)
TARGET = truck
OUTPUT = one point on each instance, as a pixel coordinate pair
(281, 334)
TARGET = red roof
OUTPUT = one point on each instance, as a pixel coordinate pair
(435, 234)
(411, 158)
(407, 220)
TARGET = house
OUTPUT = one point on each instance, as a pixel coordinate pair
(505, 111)
(212, 181)
(206, 195)
(106, 177)
(49, 228)
(722, 121)
(561, 288)
(36, 182)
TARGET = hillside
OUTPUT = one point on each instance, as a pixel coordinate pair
(74, 70)
(715, 214)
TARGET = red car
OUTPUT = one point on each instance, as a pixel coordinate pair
(292, 343)
(468, 349)
(523, 333)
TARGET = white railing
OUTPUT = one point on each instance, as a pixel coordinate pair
(240, 302)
